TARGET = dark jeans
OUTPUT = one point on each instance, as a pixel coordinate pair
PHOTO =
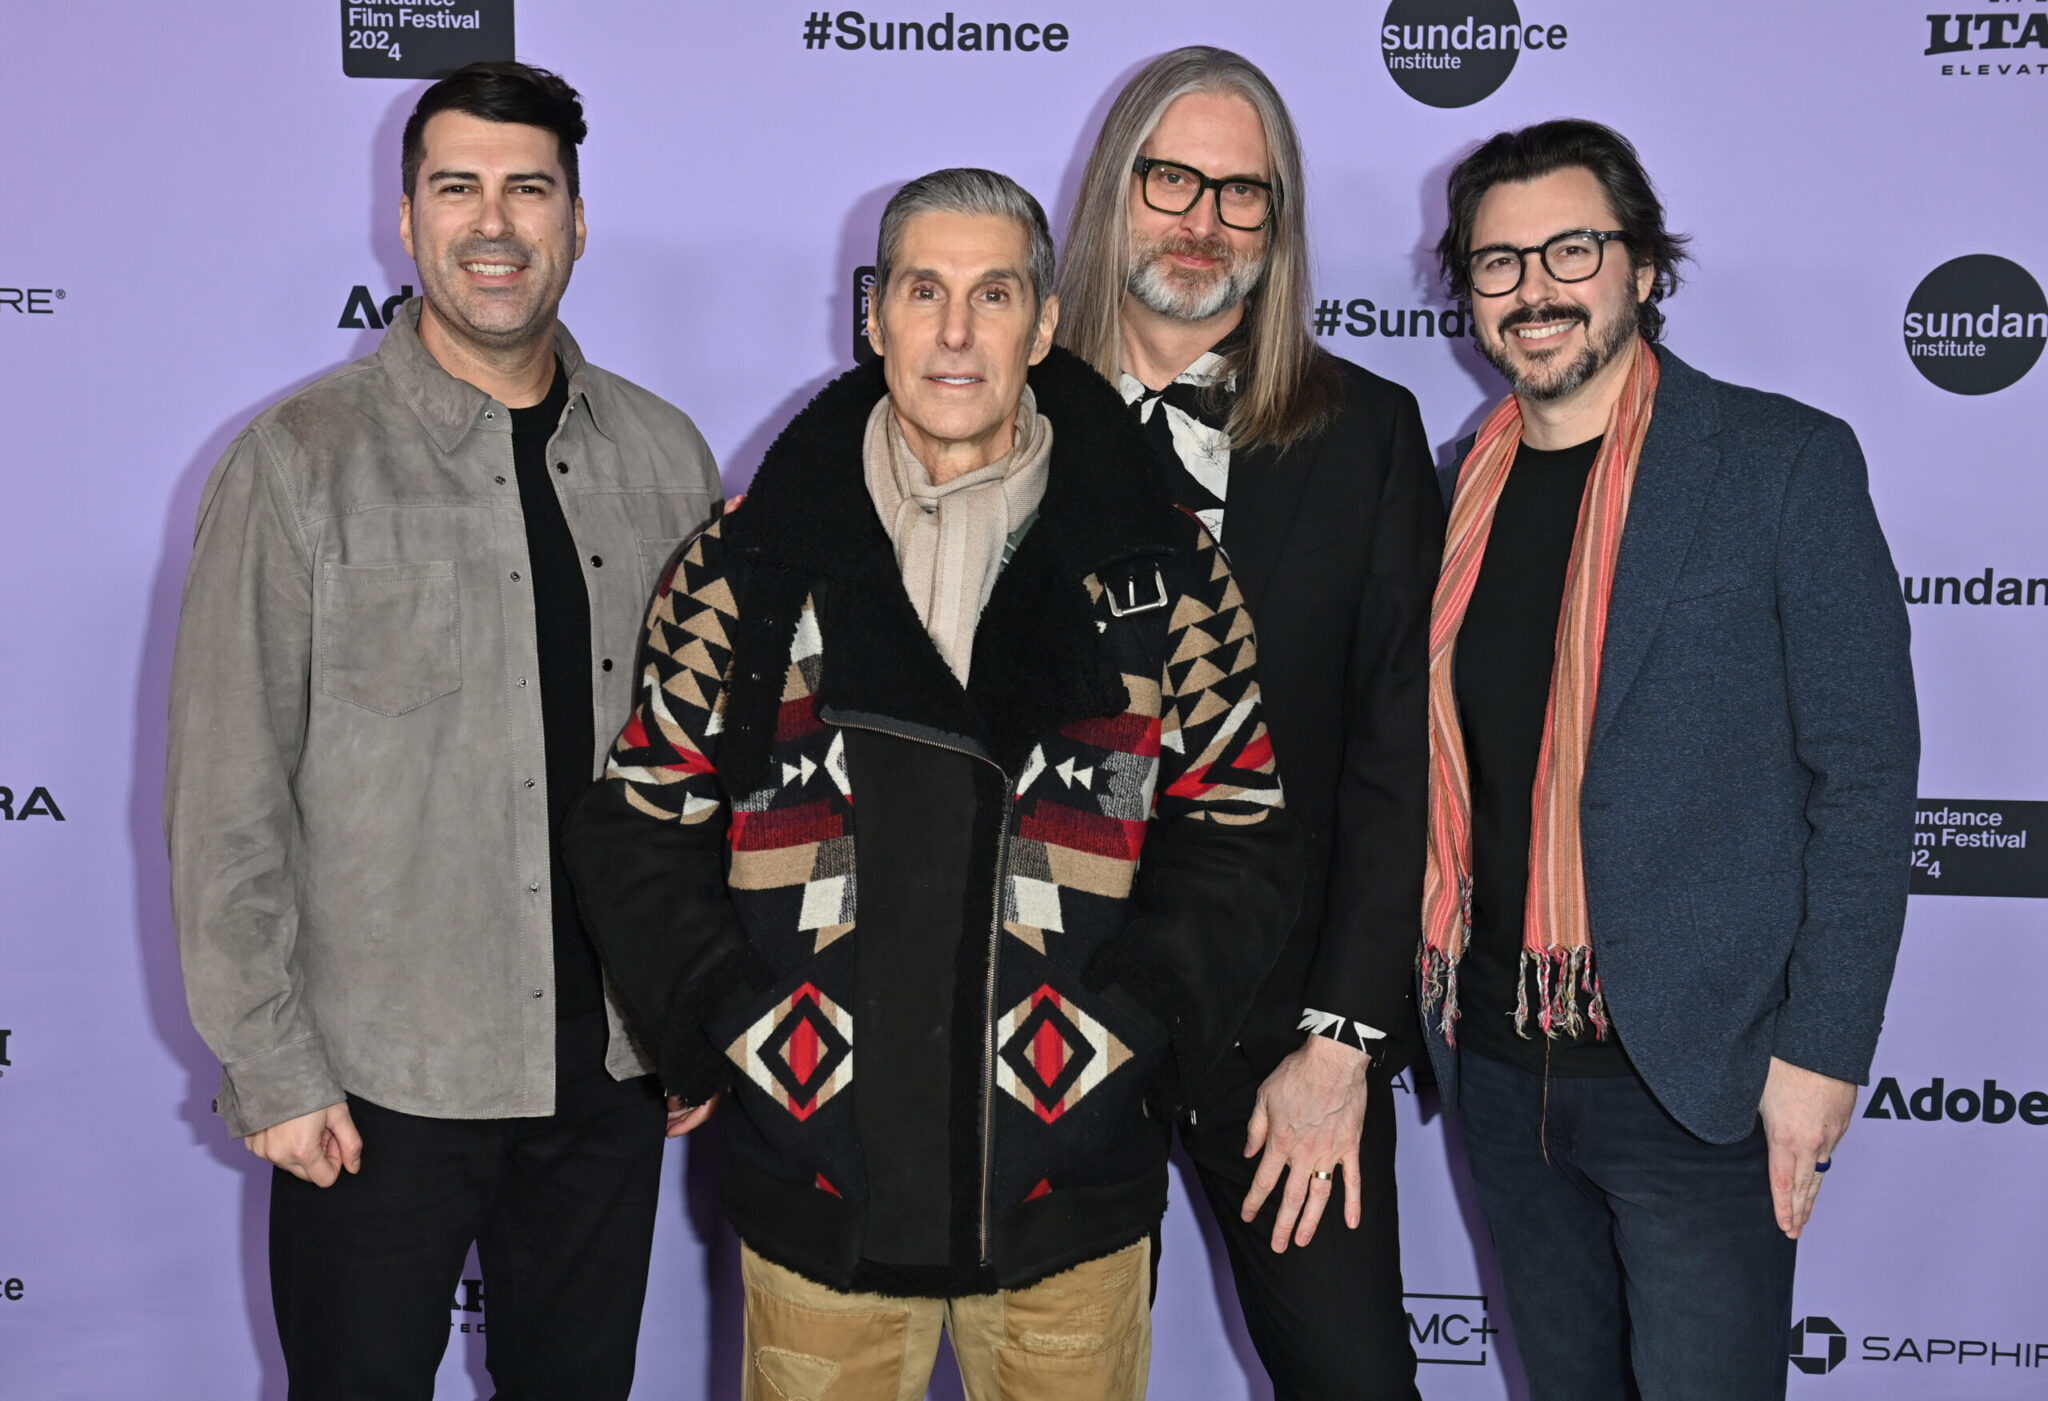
(1327, 1318)
(1640, 1261)
(363, 1274)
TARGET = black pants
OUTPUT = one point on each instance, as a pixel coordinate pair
(1640, 1261)
(364, 1274)
(1327, 1318)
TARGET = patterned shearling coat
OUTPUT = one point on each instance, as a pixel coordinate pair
(955, 951)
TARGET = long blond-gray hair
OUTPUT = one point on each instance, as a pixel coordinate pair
(1284, 387)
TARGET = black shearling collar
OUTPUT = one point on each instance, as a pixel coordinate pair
(809, 508)
(1040, 662)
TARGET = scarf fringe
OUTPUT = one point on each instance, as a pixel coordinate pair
(1438, 968)
(1439, 990)
(1561, 977)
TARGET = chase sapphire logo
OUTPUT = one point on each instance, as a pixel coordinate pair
(1818, 1346)
(422, 38)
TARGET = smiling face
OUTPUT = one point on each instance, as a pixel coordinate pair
(1192, 266)
(493, 229)
(1552, 339)
(957, 332)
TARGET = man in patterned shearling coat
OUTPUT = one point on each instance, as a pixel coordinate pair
(954, 945)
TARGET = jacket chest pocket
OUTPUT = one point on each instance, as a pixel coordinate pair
(654, 557)
(393, 634)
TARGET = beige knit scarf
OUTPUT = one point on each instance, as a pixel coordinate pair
(949, 538)
(1557, 936)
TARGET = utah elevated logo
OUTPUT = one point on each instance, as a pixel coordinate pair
(1830, 1345)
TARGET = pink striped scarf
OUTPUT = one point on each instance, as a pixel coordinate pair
(1557, 938)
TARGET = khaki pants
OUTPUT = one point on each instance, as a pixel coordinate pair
(1082, 1335)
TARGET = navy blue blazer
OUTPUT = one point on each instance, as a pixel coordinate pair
(1747, 811)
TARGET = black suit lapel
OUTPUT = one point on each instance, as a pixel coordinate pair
(1265, 495)
(1677, 471)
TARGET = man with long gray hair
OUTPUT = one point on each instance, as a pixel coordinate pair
(907, 720)
(1186, 283)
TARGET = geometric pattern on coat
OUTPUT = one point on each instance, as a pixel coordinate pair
(1050, 1053)
(1188, 745)
(800, 1051)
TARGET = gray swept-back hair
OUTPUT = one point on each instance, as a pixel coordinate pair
(1285, 388)
(968, 190)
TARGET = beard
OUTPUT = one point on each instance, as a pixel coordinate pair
(1191, 296)
(497, 317)
(1603, 342)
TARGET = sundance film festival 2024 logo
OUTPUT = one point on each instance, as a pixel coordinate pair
(422, 38)
(1453, 53)
(1976, 324)
(1979, 846)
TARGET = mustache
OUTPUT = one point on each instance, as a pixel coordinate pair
(1554, 311)
(1218, 248)
(501, 250)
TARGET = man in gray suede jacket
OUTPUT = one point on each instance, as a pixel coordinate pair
(408, 627)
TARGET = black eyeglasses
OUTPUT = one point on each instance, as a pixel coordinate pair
(1572, 256)
(1242, 203)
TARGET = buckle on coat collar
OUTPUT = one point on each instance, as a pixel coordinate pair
(1130, 603)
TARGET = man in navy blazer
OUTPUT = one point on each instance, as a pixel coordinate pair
(1648, 1117)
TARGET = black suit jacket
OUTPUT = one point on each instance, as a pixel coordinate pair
(1336, 543)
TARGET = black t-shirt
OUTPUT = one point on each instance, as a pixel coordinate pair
(1506, 649)
(561, 620)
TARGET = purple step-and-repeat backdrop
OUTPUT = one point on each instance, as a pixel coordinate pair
(201, 215)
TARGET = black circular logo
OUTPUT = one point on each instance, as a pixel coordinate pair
(1976, 324)
(1452, 53)
(1820, 1334)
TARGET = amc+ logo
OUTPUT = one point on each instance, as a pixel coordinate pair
(1824, 1336)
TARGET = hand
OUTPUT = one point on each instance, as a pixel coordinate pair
(1805, 1115)
(684, 1117)
(1309, 1115)
(317, 1147)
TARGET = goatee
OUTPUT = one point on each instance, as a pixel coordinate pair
(1184, 295)
(1603, 344)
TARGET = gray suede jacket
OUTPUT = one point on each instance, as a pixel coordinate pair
(356, 802)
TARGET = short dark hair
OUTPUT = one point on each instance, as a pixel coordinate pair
(501, 91)
(1536, 151)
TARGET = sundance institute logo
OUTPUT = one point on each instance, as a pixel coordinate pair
(1453, 53)
(1976, 324)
